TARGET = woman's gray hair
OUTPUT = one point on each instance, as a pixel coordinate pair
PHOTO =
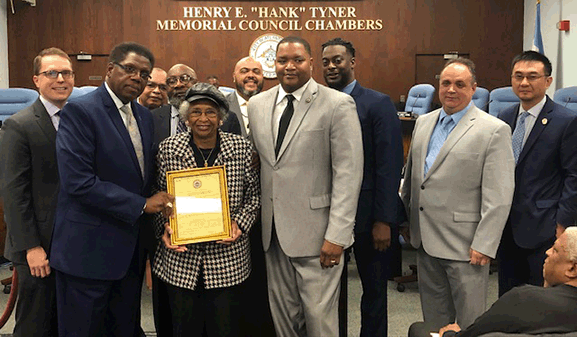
(571, 243)
(201, 91)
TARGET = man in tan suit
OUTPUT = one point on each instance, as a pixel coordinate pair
(309, 140)
(457, 191)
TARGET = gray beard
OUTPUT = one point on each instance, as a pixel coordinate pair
(175, 102)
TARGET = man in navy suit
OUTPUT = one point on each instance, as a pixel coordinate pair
(104, 149)
(379, 209)
(545, 200)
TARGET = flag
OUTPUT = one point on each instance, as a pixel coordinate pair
(537, 38)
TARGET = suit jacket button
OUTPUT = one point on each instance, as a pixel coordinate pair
(422, 187)
(421, 208)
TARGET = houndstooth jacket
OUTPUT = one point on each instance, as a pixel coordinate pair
(223, 265)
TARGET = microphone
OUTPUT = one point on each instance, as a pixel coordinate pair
(486, 106)
(412, 106)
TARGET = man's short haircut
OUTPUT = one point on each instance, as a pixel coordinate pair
(571, 240)
(467, 63)
(37, 63)
(340, 42)
(533, 56)
(120, 51)
(295, 39)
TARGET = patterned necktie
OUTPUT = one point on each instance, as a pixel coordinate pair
(180, 127)
(284, 122)
(134, 133)
(518, 135)
(437, 141)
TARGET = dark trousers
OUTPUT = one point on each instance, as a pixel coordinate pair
(374, 269)
(215, 312)
(36, 305)
(519, 266)
(98, 308)
(421, 329)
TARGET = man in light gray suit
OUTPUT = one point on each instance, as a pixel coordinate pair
(457, 191)
(309, 140)
(249, 80)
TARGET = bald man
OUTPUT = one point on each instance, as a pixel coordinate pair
(180, 77)
(248, 80)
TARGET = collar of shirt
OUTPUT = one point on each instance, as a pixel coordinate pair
(115, 98)
(534, 111)
(349, 88)
(174, 112)
(298, 94)
(456, 117)
(50, 108)
(239, 98)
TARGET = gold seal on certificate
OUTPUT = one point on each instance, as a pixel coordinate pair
(201, 205)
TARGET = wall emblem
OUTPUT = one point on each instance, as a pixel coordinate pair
(263, 49)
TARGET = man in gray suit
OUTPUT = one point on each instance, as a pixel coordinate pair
(457, 191)
(309, 140)
(249, 80)
(30, 188)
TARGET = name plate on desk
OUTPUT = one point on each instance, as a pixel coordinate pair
(201, 210)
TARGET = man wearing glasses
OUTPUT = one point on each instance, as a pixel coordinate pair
(166, 118)
(155, 93)
(30, 188)
(104, 150)
(545, 201)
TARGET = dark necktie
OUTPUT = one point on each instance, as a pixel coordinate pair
(284, 122)
(180, 127)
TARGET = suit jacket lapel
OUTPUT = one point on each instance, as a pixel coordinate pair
(114, 114)
(459, 131)
(538, 127)
(269, 105)
(235, 108)
(44, 121)
(301, 109)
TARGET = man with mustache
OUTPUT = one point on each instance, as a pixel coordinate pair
(458, 188)
(380, 209)
(155, 92)
(249, 80)
(166, 120)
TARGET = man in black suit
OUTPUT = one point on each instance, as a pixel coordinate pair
(379, 209)
(166, 120)
(545, 200)
(249, 80)
(30, 187)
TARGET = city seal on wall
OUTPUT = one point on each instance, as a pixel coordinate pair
(263, 49)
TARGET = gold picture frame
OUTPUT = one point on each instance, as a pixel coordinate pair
(201, 211)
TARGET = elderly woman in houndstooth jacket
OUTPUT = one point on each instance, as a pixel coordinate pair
(204, 279)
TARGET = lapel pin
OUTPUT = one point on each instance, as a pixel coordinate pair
(544, 121)
(308, 100)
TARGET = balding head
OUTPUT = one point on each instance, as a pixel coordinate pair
(561, 263)
(180, 78)
(248, 77)
(156, 90)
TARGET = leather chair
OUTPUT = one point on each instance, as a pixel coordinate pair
(500, 99)
(481, 98)
(419, 99)
(567, 97)
(13, 100)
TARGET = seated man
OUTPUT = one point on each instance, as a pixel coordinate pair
(530, 309)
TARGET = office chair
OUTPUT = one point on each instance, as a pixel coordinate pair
(419, 99)
(13, 100)
(225, 90)
(567, 97)
(481, 98)
(500, 99)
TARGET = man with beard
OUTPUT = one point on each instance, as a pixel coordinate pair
(249, 80)
(166, 119)
(155, 93)
(380, 209)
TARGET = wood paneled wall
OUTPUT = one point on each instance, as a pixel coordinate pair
(490, 31)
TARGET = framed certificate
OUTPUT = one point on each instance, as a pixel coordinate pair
(201, 210)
